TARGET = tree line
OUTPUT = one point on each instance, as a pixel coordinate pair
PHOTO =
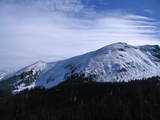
(135, 100)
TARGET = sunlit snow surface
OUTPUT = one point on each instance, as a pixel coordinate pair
(113, 63)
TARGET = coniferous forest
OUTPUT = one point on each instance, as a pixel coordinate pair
(136, 100)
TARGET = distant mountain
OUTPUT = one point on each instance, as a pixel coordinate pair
(113, 63)
(2, 74)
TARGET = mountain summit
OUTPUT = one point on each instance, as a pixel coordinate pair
(113, 63)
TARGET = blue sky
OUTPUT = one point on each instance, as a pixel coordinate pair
(50, 30)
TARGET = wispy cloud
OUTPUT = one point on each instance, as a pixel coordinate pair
(55, 29)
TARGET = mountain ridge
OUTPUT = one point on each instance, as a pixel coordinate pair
(118, 62)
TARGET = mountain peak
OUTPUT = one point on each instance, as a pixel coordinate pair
(119, 43)
(119, 46)
(39, 62)
(35, 67)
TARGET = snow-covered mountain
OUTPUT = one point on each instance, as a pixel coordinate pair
(2, 75)
(113, 63)
(24, 78)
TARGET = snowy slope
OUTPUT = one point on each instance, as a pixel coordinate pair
(29, 73)
(24, 78)
(113, 63)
